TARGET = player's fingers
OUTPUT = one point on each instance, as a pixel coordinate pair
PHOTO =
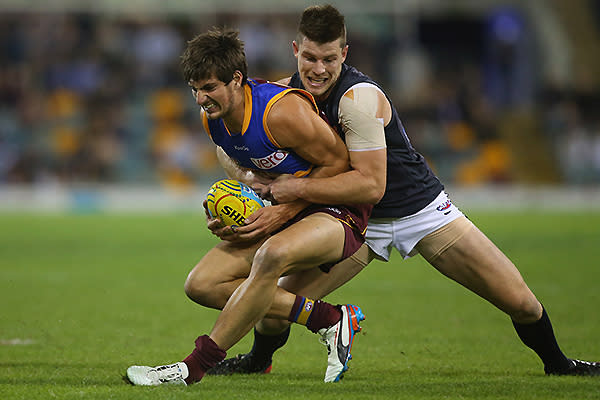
(244, 233)
(249, 234)
(214, 224)
(205, 205)
(253, 217)
(228, 234)
(261, 189)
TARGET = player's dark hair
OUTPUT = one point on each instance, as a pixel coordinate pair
(218, 52)
(322, 24)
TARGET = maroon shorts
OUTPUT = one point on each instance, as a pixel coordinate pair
(354, 219)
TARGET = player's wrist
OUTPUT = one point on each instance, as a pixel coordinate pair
(293, 208)
(301, 188)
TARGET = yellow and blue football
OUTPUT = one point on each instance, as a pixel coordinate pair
(232, 202)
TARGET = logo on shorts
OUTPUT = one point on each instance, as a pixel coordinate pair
(445, 206)
(335, 210)
(308, 306)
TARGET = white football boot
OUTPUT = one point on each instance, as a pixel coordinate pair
(152, 376)
(339, 339)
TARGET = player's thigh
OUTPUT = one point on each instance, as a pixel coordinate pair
(316, 284)
(475, 262)
(225, 262)
(314, 240)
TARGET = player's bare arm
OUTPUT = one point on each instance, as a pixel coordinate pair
(262, 222)
(314, 140)
(364, 112)
(233, 169)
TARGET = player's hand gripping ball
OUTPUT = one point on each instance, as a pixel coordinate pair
(232, 202)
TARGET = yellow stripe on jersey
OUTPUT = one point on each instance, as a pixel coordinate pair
(205, 123)
(247, 108)
(300, 174)
(279, 96)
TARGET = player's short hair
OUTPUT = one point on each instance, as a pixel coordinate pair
(218, 52)
(322, 24)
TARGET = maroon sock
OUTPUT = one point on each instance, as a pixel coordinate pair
(315, 315)
(324, 315)
(205, 356)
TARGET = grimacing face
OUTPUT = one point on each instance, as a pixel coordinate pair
(214, 96)
(319, 65)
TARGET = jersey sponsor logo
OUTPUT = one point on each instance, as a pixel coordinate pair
(444, 207)
(270, 161)
(241, 148)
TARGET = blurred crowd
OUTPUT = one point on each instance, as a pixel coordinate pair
(100, 98)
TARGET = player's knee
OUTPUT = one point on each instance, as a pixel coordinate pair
(202, 289)
(269, 260)
(196, 289)
(527, 310)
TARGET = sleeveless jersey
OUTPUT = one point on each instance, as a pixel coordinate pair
(254, 147)
(410, 184)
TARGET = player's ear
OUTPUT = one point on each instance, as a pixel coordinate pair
(344, 53)
(237, 78)
(296, 48)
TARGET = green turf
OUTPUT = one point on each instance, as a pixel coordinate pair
(89, 295)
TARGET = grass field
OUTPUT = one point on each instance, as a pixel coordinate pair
(85, 296)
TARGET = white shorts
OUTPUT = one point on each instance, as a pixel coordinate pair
(404, 233)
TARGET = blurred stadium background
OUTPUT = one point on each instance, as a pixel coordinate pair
(502, 97)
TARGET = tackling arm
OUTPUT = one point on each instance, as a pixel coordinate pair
(250, 177)
(233, 169)
(364, 111)
(313, 140)
(295, 125)
(280, 213)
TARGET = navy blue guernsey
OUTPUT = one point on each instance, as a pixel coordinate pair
(410, 184)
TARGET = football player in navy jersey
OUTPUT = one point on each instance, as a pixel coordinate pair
(414, 215)
(267, 129)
